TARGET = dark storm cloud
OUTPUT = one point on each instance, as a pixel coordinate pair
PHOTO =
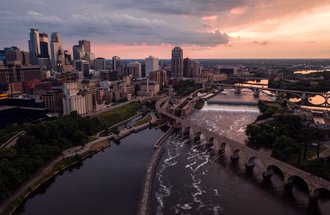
(181, 7)
(101, 21)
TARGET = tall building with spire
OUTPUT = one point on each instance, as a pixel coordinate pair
(34, 45)
(177, 63)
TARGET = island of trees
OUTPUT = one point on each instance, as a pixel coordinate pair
(289, 137)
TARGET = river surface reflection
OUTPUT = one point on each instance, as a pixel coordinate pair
(108, 183)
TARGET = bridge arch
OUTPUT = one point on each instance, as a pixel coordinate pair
(178, 125)
(247, 88)
(197, 135)
(235, 155)
(277, 170)
(317, 97)
(253, 161)
(211, 141)
(300, 182)
(321, 193)
(186, 131)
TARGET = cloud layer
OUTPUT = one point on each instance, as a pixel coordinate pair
(205, 24)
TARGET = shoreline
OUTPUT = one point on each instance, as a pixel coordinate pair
(49, 172)
(151, 167)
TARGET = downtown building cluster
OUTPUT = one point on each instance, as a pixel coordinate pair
(58, 81)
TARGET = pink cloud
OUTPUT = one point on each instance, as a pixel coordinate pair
(238, 10)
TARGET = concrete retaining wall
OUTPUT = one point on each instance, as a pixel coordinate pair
(147, 184)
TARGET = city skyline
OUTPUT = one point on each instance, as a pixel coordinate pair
(212, 29)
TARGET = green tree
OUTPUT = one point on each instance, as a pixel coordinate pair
(284, 148)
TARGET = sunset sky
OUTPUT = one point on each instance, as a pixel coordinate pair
(203, 28)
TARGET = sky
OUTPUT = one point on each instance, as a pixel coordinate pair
(135, 29)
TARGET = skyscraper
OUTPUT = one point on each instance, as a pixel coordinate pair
(86, 44)
(196, 69)
(55, 45)
(177, 63)
(44, 53)
(116, 64)
(43, 58)
(100, 64)
(78, 52)
(34, 45)
(187, 67)
(134, 69)
(152, 64)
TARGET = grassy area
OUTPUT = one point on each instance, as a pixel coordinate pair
(146, 119)
(117, 115)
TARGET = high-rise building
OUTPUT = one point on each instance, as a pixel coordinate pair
(55, 45)
(160, 77)
(13, 54)
(67, 57)
(134, 69)
(44, 53)
(34, 45)
(163, 79)
(187, 67)
(143, 69)
(152, 64)
(78, 52)
(177, 63)
(99, 64)
(26, 58)
(196, 69)
(86, 44)
(43, 58)
(116, 64)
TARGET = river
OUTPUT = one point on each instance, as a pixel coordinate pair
(108, 183)
(188, 179)
(191, 181)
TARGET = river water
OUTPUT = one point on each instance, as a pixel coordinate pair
(189, 180)
(108, 183)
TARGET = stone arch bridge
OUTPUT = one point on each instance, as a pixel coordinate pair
(303, 95)
(314, 185)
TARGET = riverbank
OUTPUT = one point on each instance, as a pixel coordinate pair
(51, 170)
(146, 188)
(69, 158)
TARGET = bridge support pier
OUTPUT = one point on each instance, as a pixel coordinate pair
(267, 174)
(256, 93)
(288, 191)
(249, 167)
